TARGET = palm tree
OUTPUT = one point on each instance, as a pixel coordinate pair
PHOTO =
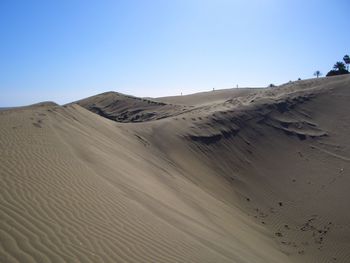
(339, 66)
(346, 59)
(317, 73)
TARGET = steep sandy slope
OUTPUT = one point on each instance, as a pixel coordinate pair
(256, 178)
(285, 153)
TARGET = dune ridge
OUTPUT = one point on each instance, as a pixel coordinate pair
(125, 108)
(259, 176)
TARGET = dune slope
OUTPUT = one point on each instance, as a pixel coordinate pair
(209, 97)
(261, 177)
(124, 108)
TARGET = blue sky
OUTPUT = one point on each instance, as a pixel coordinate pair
(68, 49)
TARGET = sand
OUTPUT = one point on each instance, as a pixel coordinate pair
(258, 175)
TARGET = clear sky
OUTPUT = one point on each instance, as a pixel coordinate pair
(64, 50)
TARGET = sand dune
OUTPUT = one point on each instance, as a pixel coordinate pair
(227, 176)
(124, 108)
(208, 97)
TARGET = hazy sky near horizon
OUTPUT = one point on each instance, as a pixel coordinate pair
(70, 49)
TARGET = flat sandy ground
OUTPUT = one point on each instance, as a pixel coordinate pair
(241, 175)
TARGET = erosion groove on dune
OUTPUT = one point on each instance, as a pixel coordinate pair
(251, 175)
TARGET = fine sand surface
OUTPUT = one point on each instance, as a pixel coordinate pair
(208, 97)
(253, 175)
